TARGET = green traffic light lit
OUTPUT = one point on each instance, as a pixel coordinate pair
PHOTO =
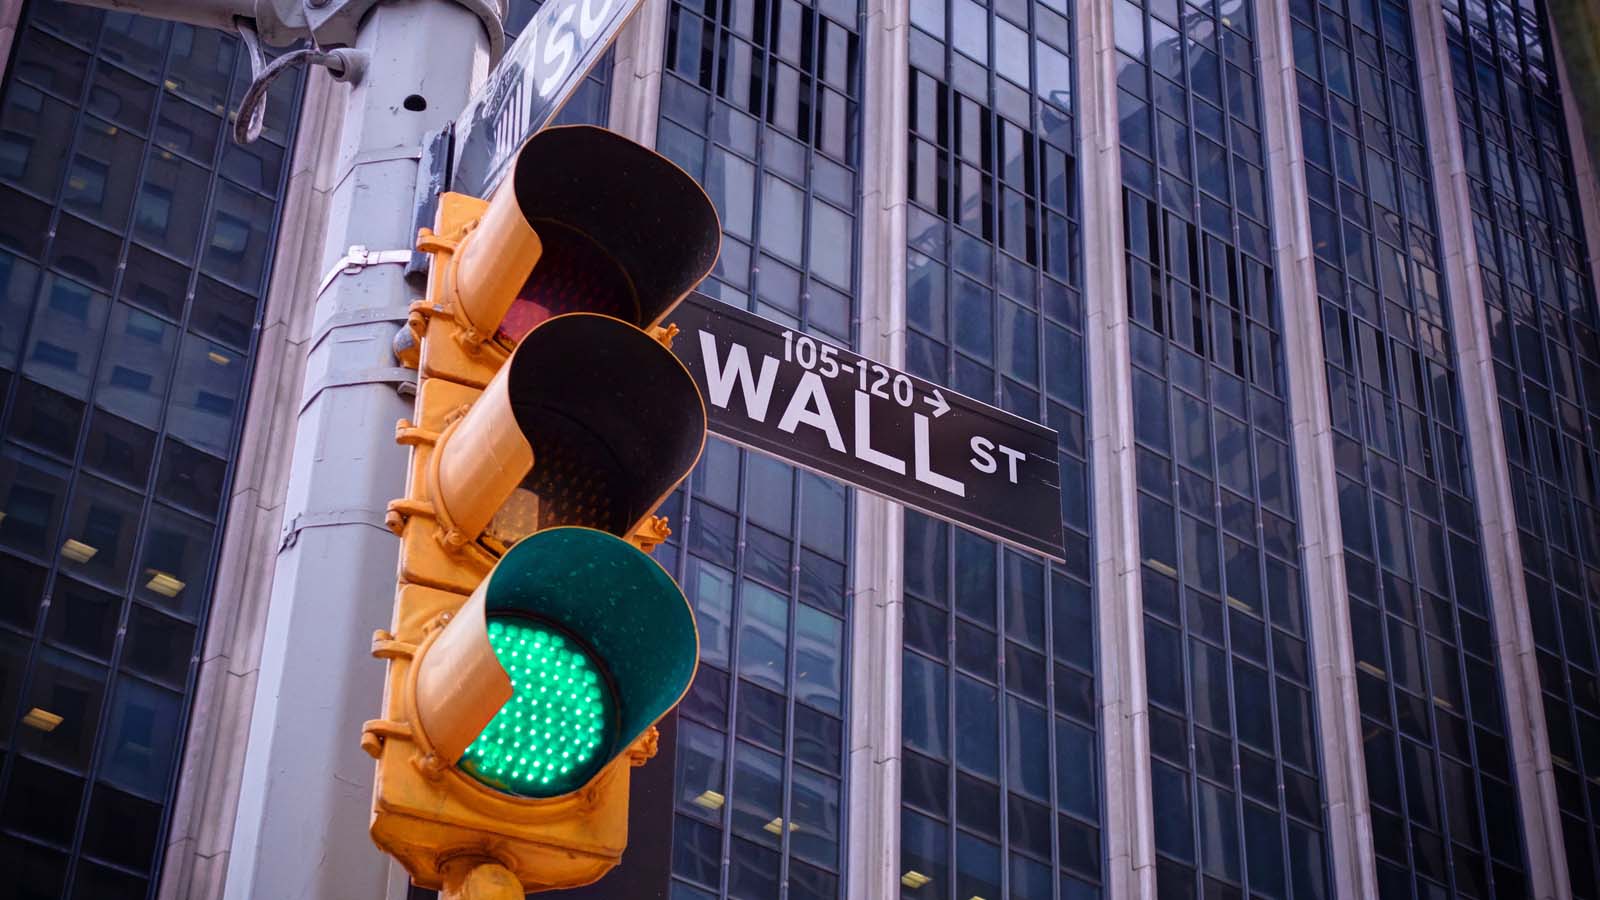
(550, 737)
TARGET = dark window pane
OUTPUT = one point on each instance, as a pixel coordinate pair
(190, 478)
(39, 872)
(83, 618)
(697, 851)
(121, 828)
(159, 646)
(32, 492)
(154, 282)
(42, 802)
(177, 555)
(817, 739)
(161, 218)
(119, 449)
(24, 591)
(93, 882)
(701, 768)
(102, 525)
(141, 748)
(223, 313)
(67, 693)
(924, 853)
(757, 794)
(47, 419)
(761, 716)
(752, 871)
(814, 807)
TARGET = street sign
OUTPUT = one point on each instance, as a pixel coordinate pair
(799, 398)
(524, 92)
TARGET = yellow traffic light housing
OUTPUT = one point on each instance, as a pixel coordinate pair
(535, 643)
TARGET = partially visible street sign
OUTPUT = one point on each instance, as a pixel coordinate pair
(822, 407)
(524, 92)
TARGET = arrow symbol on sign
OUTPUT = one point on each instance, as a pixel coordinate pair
(937, 401)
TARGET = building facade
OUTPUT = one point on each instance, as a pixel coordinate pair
(1307, 290)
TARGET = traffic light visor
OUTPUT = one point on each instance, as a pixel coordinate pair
(626, 232)
(613, 419)
(573, 610)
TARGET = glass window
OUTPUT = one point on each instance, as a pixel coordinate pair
(173, 568)
(763, 635)
(136, 365)
(64, 337)
(68, 692)
(32, 494)
(144, 729)
(101, 528)
(208, 386)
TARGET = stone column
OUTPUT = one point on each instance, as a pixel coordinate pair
(10, 17)
(873, 825)
(638, 57)
(1502, 553)
(1129, 827)
(1351, 862)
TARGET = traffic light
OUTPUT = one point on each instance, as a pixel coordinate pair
(535, 642)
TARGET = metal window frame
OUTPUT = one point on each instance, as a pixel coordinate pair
(1271, 319)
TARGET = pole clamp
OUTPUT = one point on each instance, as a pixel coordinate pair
(358, 257)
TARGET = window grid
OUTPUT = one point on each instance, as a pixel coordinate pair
(1235, 769)
(763, 731)
(95, 620)
(1540, 303)
(760, 104)
(996, 809)
(1433, 725)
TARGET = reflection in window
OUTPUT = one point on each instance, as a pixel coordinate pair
(776, 803)
(1536, 279)
(1226, 660)
(991, 276)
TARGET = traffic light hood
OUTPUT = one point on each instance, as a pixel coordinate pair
(619, 602)
(616, 601)
(656, 225)
(613, 418)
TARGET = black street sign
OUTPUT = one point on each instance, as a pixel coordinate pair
(524, 92)
(822, 407)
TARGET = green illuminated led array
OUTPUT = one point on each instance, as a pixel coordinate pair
(548, 738)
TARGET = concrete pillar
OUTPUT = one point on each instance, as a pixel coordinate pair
(1129, 827)
(1502, 555)
(1583, 163)
(196, 859)
(638, 57)
(10, 16)
(1351, 862)
(305, 794)
(873, 823)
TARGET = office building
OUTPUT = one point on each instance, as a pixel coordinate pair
(1305, 288)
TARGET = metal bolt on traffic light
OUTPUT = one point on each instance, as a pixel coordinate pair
(535, 642)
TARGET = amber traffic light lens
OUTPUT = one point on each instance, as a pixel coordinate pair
(552, 735)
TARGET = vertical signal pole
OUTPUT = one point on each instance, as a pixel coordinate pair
(301, 827)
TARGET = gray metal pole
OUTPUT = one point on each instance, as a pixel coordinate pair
(301, 826)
